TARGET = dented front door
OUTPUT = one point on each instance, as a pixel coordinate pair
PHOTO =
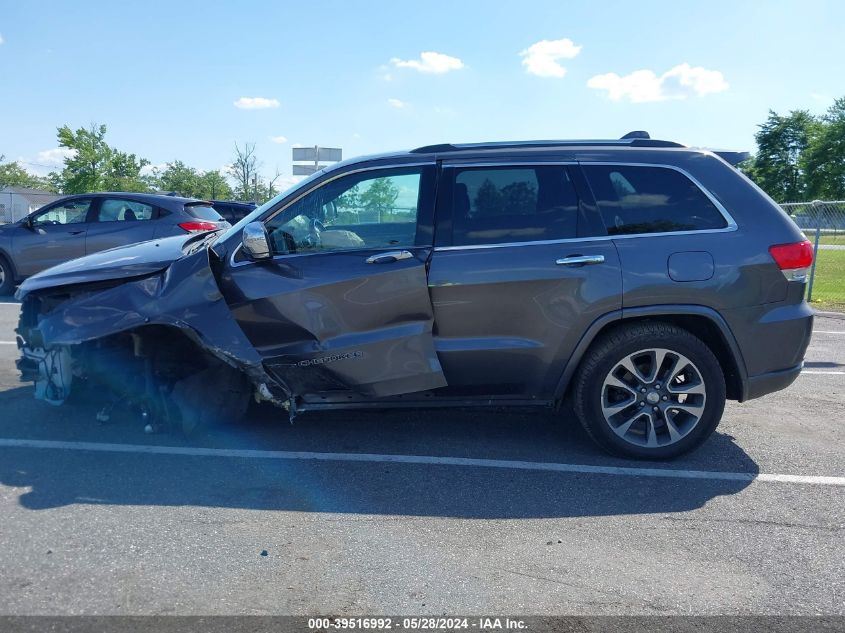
(343, 308)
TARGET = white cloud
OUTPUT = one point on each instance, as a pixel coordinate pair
(54, 157)
(279, 139)
(397, 103)
(429, 62)
(542, 58)
(642, 86)
(149, 170)
(1, 39)
(286, 182)
(256, 103)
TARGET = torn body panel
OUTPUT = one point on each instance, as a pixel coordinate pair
(120, 326)
(302, 332)
(336, 322)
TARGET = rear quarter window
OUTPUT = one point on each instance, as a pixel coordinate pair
(644, 199)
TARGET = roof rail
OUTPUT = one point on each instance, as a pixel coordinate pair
(641, 139)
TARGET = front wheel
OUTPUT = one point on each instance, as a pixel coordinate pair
(7, 281)
(650, 391)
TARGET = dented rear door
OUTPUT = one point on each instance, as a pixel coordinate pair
(343, 307)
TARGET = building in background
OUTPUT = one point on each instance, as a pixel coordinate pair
(18, 202)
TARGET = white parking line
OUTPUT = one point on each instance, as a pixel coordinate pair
(811, 371)
(7, 343)
(424, 460)
(826, 332)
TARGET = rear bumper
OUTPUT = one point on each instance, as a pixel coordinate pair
(771, 381)
(773, 339)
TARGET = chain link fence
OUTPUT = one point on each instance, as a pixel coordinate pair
(823, 222)
(16, 205)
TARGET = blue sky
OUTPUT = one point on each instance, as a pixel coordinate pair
(166, 76)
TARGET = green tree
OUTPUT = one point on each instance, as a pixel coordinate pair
(13, 175)
(778, 165)
(824, 158)
(519, 198)
(180, 179)
(94, 165)
(381, 194)
(488, 200)
(214, 186)
(123, 173)
(85, 169)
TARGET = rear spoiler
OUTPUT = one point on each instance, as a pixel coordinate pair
(731, 157)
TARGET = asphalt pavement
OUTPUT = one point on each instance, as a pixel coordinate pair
(422, 511)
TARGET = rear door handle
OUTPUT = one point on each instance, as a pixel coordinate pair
(580, 260)
(389, 257)
(75, 232)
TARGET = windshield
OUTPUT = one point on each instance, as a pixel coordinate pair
(255, 214)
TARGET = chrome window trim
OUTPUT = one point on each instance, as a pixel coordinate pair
(349, 172)
(509, 163)
(570, 240)
(731, 223)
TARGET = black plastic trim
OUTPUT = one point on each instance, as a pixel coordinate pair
(656, 310)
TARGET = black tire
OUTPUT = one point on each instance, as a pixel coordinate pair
(7, 277)
(611, 349)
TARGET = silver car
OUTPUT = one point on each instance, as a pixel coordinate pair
(79, 225)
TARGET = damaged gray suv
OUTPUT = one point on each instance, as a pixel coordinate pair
(643, 281)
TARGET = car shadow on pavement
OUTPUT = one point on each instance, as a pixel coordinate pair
(49, 478)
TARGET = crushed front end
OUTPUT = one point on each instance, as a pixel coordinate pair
(164, 344)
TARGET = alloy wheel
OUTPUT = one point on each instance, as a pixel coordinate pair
(653, 397)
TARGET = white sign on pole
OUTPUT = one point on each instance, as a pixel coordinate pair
(318, 154)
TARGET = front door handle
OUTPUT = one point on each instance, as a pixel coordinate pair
(389, 257)
(580, 260)
(75, 232)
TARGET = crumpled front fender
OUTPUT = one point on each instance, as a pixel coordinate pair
(185, 296)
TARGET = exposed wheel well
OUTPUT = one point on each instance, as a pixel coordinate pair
(700, 326)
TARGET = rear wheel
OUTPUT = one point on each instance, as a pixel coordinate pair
(650, 391)
(7, 280)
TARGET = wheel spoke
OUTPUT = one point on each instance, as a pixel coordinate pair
(687, 388)
(652, 432)
(693, 409)
(623, 428)
(613, 381)
(628, 364)
(610, 410)
(673, 369)
(659, 357)
(674, 433)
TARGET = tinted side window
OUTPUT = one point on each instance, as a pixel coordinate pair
(113, 210)
(493, 205)
(650, 200)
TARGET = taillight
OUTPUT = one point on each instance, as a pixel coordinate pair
(197, 226)
(793, 259)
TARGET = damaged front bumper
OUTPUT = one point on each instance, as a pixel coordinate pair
(61, 328)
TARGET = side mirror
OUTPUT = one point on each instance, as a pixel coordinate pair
(255, 242)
